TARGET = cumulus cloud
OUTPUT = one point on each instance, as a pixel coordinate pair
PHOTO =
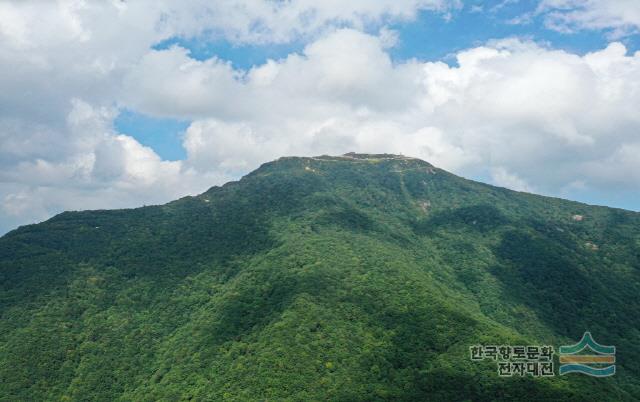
(101, 168)
(67, 67)
(524, 115)
(622, 17)
(502, 177)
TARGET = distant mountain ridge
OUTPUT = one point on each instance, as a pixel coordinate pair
(360, 277)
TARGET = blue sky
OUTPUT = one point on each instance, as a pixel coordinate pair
(163, 135)
(120, 104)
(468, 28)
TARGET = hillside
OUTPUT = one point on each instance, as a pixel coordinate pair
(351, 278)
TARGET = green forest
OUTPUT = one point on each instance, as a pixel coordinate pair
(351, 278)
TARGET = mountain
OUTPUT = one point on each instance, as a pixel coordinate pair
(349, 278)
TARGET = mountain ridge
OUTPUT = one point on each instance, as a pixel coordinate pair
(349, 156)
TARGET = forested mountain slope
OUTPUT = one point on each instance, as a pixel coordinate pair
(352, 278)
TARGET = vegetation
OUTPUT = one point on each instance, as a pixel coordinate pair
(355, 278)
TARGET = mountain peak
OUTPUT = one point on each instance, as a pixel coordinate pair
(365, 158)
(369, 157)
(357, 163)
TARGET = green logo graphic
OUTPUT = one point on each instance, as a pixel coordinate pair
(600, 364)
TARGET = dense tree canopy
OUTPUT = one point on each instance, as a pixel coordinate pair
(354, 278)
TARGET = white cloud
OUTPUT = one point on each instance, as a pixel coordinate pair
(538, 112)
(527, 116)
(89, 166)
(501, 177)
(620, 16)
(278, 21)
(67, 65)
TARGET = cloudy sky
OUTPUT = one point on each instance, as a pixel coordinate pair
(108, 104)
